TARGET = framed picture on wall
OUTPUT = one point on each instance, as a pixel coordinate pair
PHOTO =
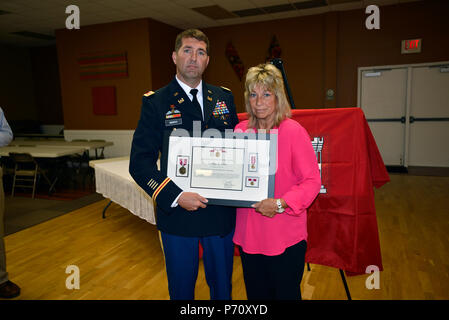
(103, 101)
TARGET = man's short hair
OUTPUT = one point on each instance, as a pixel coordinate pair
(191, 33)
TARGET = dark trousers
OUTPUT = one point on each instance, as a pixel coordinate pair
(3, 273)
(274, 277)
(182, 259)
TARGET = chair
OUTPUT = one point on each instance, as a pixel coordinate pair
(7, 166)
(26, 171)
(78, 164)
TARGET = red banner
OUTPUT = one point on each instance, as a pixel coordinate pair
(103, 101)
(342, 224)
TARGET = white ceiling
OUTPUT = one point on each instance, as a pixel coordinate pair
(45, 16)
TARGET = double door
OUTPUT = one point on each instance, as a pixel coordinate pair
(407, 109)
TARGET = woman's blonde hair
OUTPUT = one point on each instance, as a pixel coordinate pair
(270, 78)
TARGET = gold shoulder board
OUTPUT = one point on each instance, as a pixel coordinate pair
(149, 93)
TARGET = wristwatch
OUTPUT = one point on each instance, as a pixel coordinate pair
(280, 208)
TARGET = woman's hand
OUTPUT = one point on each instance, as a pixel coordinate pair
(266, 207)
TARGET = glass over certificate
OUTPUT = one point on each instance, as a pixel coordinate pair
(233, 169)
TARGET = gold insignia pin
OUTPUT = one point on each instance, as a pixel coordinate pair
(209, 98)
(209, 91)
(176, 94)
(181, 100)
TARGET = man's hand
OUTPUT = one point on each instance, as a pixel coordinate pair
(191, 201)
(266, 207)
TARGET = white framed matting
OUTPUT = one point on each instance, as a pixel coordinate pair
(233, 169)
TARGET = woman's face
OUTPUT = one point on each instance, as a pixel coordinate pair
(262, 102)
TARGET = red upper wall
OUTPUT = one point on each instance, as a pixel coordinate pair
(162, 44)
(301, 41)
(130, 36)
(320, 52)
(324, 51)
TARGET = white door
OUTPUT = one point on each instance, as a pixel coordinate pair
(383, 100)
(429, 117)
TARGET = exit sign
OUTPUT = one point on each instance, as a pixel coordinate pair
(411, 46)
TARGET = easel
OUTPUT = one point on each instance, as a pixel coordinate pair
(278, 63)
(343, 279)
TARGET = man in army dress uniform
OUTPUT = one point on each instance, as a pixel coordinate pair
(184, 218)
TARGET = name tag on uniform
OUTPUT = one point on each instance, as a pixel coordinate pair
(173, 122)
(173, 117)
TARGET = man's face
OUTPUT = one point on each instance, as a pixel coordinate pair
(191, 60)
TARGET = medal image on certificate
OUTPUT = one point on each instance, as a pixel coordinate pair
(182, 166)
(252, 182)
(232, 169)
(252, 163)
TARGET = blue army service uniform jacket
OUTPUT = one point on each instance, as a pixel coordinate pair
(156, 118)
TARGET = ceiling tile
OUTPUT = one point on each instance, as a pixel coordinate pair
(266, 3)
(38, 16)
(194, 3)
(232, 5)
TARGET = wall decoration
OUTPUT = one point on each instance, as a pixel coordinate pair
(234, 60)
(103, 65)
(274, 51)
(103, 101)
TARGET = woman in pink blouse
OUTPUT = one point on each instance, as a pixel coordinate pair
(273, 234)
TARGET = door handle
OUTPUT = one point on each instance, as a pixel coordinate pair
(412, 119)
(402, 119)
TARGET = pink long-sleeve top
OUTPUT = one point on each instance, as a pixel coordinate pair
(297, 181)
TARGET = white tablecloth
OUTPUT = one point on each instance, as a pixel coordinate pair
(113, 181)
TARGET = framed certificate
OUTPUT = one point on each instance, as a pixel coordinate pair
(231, 169)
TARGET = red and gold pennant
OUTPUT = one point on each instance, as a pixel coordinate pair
(274, 51)
(234, 60)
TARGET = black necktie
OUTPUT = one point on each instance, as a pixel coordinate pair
(195, 102)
